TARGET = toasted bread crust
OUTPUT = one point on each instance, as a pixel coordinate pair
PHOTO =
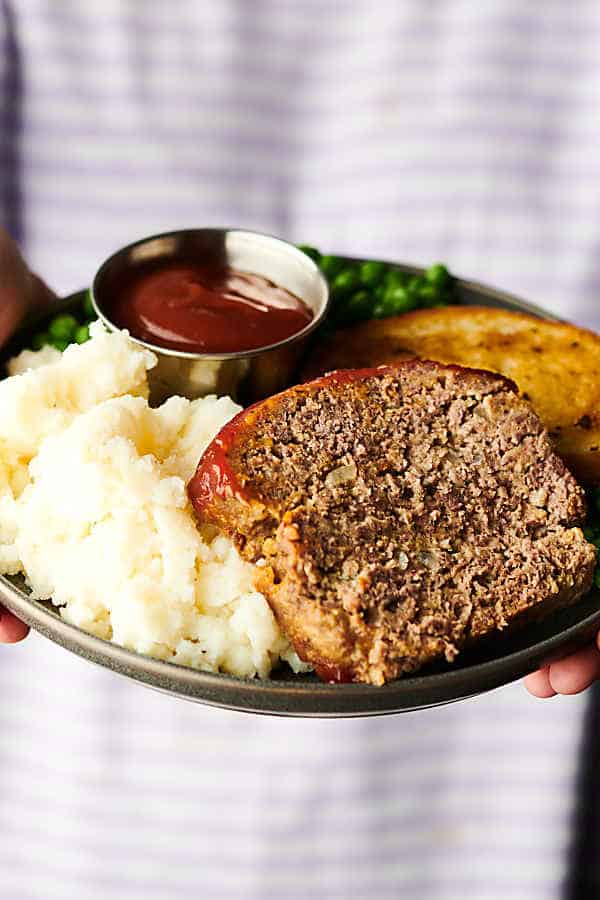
(554, 364)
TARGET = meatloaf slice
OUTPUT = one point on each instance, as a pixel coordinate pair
(396, 514)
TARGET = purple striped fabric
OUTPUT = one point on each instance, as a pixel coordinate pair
(458, 131)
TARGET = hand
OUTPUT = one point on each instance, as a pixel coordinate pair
(570, 675)
(20, 292)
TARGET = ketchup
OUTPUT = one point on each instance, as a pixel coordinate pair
(187, 306)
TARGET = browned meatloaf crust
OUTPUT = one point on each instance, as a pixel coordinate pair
(396, 514)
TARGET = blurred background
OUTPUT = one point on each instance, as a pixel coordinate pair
(459, 131)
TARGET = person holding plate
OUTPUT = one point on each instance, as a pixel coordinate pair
(456, 132)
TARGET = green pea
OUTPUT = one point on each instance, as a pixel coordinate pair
(371, 272)
(310, 251)
(60, 343)
(376, 289)
(344, 283)
(398, 300)
(88, 310)
(438, 275)
(39, 340)
(429, 295)
(395, 278)
(358, 307)
(331, 266)
(415, 285)
(63, 327)
(82, 334)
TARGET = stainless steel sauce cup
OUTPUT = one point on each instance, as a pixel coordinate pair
(248, 374)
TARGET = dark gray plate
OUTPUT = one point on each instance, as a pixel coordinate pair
(498, 662)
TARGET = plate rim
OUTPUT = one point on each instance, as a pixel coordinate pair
(382, 700)
(294, 696)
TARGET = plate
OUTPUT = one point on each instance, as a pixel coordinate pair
(496, 662)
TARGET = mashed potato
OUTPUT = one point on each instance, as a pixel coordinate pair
(32, 359)
(94, 511)
(44, 400)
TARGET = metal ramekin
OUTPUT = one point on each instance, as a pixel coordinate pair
(246, 375)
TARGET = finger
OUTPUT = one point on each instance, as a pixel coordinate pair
(40, 294)
(538, 684)
(20, 290)
(575, 673)
(11, 628)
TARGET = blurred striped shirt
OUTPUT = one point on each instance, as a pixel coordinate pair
(453, 131)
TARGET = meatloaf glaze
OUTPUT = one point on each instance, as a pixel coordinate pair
(396, 514)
